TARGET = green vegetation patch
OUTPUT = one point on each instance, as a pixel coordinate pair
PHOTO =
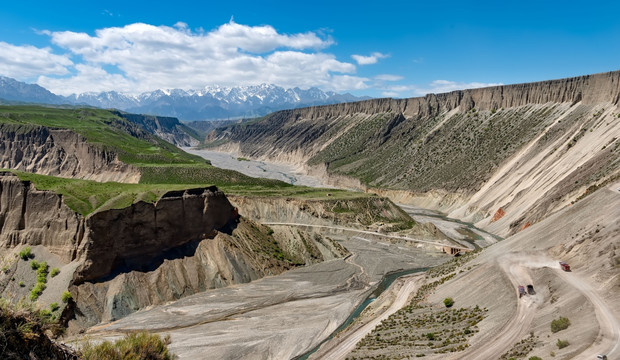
(560, 324)
(86, 196)
(101, 128)
(24, 333)
(141, 345)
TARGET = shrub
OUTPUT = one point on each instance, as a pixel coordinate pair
(36, 291)
(559, 324)
(26, 253)
(133, 346)
(54, 272)
(54, 306)
(562, 344)
(448, 302)
(34, 265)
(66, 296)
(21, 284)
(534, 358)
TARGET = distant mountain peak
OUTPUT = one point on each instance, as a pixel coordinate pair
(209, 103)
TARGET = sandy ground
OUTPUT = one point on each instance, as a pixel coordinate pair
(397, 297)
(270, 170)
(276, 317)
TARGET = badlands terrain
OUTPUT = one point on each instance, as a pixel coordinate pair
(145, 236)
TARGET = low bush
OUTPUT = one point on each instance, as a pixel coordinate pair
(54, 272)
(448, 302)
(54, 306)
(133, 346)
(26, 253)
(559, 324)
(562, 344)
(66, 296)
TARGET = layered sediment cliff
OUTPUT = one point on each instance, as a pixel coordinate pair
(59, 152)
(149, 253)
(169, 129)
(529, 149)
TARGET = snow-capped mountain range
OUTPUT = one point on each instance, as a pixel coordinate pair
(209, 103)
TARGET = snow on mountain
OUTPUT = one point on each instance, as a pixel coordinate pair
(211, 102)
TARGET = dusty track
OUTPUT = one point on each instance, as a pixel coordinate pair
(608, 340)
(433, 243)
(516, 267)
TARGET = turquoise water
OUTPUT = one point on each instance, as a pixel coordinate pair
(383, 285)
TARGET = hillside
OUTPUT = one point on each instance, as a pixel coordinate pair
(527, 149)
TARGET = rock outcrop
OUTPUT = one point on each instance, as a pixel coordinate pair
(150, 253)
(530, 149)
(60, 152)
(169, 129)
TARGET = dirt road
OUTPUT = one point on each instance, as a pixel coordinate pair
(516, 267)
(608, 340)
(347, 343)
(433, 243)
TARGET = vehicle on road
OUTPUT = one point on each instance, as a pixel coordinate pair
(601, 357)
(564, 266)
(530, 289)
(521, 291)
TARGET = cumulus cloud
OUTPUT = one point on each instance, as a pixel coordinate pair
(443, 86)
(368, 60)
(28, 61)
(147, 57)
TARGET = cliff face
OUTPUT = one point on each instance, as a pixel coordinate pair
(529, 149)
(146, 254)
(166, 128)
(61, 153)
(29, 216)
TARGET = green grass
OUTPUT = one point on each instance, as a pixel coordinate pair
(133, 346)
(101, 128)
(163, 167)
(86, 196)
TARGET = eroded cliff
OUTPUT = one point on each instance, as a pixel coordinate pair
(529, 149)
(60, 152)
(123, 260)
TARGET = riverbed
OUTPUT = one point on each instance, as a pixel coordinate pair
(283, 172)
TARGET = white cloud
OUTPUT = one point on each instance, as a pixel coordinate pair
(368, 60)
(443, 86)
(151, 57)
(88, 79)
(28, 61)
(388, 77)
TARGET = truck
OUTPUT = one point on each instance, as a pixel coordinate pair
(521, 291)
(564, 266)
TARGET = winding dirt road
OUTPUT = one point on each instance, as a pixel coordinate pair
(516, 267)
(608, 339)
(438, 244)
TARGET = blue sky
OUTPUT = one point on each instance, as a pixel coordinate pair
(388, 48)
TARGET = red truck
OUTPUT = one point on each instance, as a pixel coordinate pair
(564, 266)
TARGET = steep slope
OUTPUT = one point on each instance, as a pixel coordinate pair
(11, 89)
(117, 261)
(529, 149)
(584, 235)
(166, 128)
